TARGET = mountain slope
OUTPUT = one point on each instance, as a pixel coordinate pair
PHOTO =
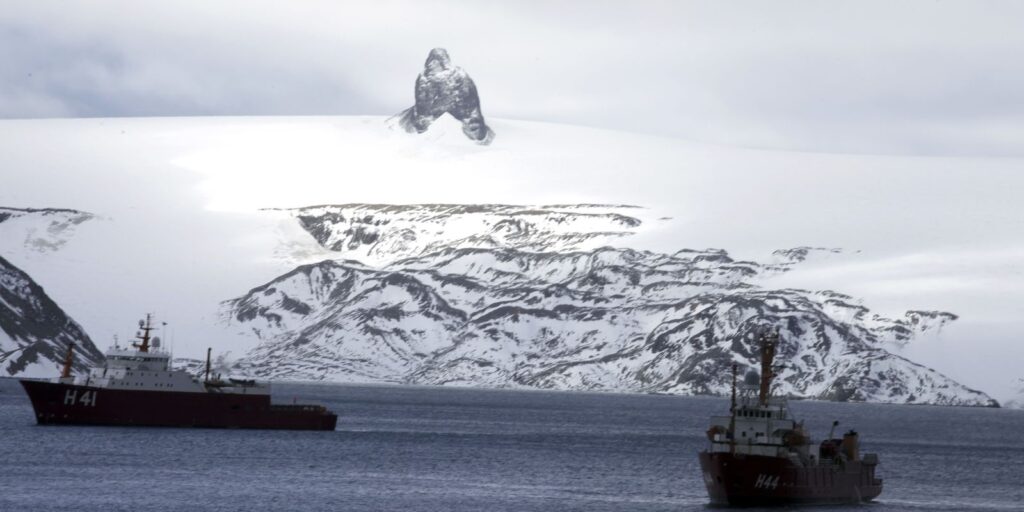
(601, 319)
(382, 233)
(39, 229)
(34, 331)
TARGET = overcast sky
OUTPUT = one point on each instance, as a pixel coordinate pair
(932, 78)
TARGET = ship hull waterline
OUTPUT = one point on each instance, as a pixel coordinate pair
(752, 480)
(69, 404)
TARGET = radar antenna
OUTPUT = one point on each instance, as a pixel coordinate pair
(145, 326)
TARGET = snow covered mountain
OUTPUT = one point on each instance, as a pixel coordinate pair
(598, 319)
(179, 225)
(40, 229)
(382, 233)
(35, 332)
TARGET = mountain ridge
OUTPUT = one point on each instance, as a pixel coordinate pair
(606, 318)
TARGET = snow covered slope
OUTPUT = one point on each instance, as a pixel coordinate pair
(604, 319)
(382, 233)
(39, 229)
(35, 332)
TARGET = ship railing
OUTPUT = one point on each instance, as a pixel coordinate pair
(299, 408)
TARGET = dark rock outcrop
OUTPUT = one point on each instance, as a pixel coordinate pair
(446, 89)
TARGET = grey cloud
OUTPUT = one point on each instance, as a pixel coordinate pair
(938, 78)
(96, 78)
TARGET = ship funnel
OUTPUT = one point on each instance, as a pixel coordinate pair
(851, 445)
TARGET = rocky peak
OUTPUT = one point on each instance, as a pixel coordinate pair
(442, 88)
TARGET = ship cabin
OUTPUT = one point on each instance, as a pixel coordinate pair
(144, 367)
(759, 423)
(755, 429)
(136, 370)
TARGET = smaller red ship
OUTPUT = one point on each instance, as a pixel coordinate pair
(759, 456)
(136, 386)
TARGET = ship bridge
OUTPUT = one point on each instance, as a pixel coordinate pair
(118, 358)
(145, 367)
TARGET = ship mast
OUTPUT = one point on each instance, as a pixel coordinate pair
(144, 346)
(732, 413)
(207, 378)
(732, 404)
(68, 359)
(768, 343)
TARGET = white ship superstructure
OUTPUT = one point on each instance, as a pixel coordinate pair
(145, 367)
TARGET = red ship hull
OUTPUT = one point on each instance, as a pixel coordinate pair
(67, 404)
(754, 480)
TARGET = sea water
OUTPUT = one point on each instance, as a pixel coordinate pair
(401, 448)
